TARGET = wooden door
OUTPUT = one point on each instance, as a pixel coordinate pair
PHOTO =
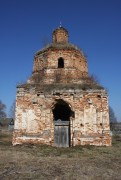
(61, 134)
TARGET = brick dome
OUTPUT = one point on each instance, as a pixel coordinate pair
(60, 35)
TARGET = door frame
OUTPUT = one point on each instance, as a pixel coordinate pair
(58, 124)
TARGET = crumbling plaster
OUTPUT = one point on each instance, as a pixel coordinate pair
(36, 99)
(35, 120)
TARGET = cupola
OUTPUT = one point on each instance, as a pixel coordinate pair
(60, 35)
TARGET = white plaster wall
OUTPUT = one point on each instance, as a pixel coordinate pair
(18, 118)
(32, 124)
(90, 119)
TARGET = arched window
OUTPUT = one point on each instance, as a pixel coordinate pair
(60, 63)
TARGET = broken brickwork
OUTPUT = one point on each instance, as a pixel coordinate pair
(60, 105)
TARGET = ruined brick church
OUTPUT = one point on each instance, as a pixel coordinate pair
(60, 104)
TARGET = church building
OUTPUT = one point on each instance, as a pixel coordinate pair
(60, 104)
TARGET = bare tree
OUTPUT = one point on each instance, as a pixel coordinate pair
(12, 110)
(112, 116)
(45, 41)
(2, 110)
(93, 79)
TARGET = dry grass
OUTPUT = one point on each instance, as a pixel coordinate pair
(51, 163)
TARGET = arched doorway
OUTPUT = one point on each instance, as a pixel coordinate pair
(61, 114)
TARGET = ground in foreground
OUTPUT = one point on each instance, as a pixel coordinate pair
(51, 163)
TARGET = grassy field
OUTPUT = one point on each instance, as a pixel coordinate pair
(50, 163)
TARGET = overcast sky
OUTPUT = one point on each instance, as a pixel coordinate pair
(93, 25)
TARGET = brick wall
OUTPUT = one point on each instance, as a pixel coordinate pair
(51, 82)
